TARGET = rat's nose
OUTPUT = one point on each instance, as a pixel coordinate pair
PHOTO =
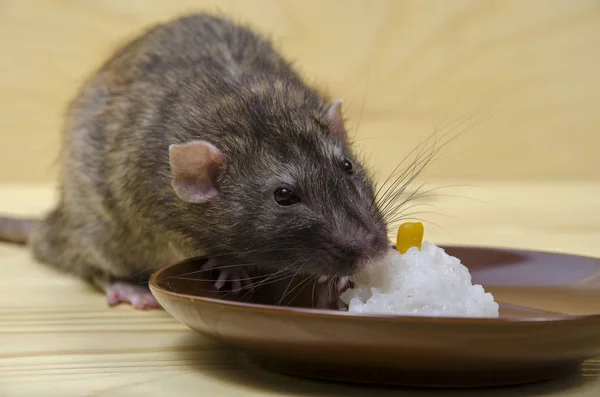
(349, 255)
(346, 259)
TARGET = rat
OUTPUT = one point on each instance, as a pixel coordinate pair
(197, 138)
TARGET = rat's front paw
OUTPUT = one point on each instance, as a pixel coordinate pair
(238, 276)
(328, 292)
(139, 296)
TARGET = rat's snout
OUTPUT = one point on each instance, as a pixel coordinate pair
(347, 262)
(375, 249)
(356, 254)
(360, 241)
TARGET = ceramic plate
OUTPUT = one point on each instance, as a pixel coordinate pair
(549, 324)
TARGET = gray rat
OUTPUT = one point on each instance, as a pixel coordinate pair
(198, 138)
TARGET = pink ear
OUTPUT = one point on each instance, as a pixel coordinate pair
(194, 167)
(335, 120)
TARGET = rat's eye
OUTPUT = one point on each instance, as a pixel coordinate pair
(285, 197)
(348, 166)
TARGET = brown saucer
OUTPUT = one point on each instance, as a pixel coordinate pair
(549, 324)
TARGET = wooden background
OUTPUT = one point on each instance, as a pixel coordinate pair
(529, 68)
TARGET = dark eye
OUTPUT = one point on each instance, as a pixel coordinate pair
(348, 166)
(285, 197)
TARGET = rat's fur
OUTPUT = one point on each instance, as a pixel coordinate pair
(203, 77)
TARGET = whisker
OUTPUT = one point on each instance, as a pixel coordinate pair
(419, 164)
(288, 286)
(364, 101)
(300, 284)
(416, 149)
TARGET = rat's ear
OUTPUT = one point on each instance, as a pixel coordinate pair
(335, 120)
(194, 167)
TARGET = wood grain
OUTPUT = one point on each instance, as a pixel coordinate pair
(405, 69)
(58, 337)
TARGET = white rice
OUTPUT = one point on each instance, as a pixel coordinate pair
(426, 282)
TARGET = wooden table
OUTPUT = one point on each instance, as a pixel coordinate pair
(58, 337)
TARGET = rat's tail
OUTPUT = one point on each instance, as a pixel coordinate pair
(16, 230)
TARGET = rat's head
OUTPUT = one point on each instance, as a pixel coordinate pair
(283, 190)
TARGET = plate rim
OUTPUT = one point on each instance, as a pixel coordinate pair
(345, 315)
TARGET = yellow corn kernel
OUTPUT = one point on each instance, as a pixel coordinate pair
(410, 234)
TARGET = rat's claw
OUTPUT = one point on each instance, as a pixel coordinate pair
(322, 279)
(236, 285)
(342, 282)
(239, 278)
(210, 264)
(223, 276)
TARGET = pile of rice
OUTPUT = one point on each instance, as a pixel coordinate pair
(425, 282)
